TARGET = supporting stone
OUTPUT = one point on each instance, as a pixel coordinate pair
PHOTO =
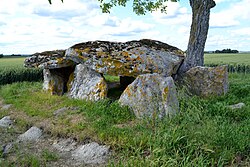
(207, 81)
(87, 84)
(151, 95)
(55, 80)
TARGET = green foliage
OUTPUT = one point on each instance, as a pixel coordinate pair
(140, 7)
(226, 51)
(1, 55)
(11, 75)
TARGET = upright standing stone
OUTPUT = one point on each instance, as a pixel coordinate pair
(55, 80)
(87, 84)
(207, 81)
(151, 95)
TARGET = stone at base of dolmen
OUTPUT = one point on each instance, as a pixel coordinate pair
(207, 81)
(87, 84)
(151, 95)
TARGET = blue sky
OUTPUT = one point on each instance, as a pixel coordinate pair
(34, 26)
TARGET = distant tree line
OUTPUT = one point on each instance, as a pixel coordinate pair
(226, 51)
(1, 55)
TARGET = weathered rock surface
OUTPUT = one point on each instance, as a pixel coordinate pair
(151, 95)
(32, 134)
(48, 60)
(55, 80)
(237, 106)
(91, 153)
(6, 106)
(5, 122)
(65, 145)
(207, 81)
(87, 84)
(127, 59)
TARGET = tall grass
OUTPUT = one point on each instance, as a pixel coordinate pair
(12, 70)
(237, 63)
(234, 68)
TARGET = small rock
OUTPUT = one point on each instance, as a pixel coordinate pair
(32, 134)
(237, 106)
(65, 145)
(7, 148)
(5, 122)
(91, 153)
(60, 111)
(6, 107)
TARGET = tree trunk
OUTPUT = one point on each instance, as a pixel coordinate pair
(198, 34)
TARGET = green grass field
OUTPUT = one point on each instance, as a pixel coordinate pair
(8, 62)
(241, 58)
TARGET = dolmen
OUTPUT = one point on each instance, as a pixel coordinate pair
(145, 68)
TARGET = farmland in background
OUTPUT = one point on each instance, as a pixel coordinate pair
(237, 63)
(12, 70)
(230, 58)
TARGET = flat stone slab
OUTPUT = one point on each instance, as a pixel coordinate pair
(6, 122)
(130, 58)
(48, 60)
(32, 134)
(91, 153)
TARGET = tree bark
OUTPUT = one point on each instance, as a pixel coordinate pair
(198, 34)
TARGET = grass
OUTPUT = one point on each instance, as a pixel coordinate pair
(12, 70)
(205, 132)
(9, 62)
(241, 58)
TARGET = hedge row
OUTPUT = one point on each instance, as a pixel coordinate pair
(19, 74)
(234, 68)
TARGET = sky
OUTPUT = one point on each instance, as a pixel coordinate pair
(30, 26)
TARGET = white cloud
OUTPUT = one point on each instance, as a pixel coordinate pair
(231, 16)
(33, 26)
(38, 26)
(176, 15)
(242, 32)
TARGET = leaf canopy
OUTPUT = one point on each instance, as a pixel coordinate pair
(140, 7)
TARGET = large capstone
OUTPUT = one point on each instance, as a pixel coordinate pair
(151, 95)
(87, 84)
(48, 60)
(129, 59)
(207, 81)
